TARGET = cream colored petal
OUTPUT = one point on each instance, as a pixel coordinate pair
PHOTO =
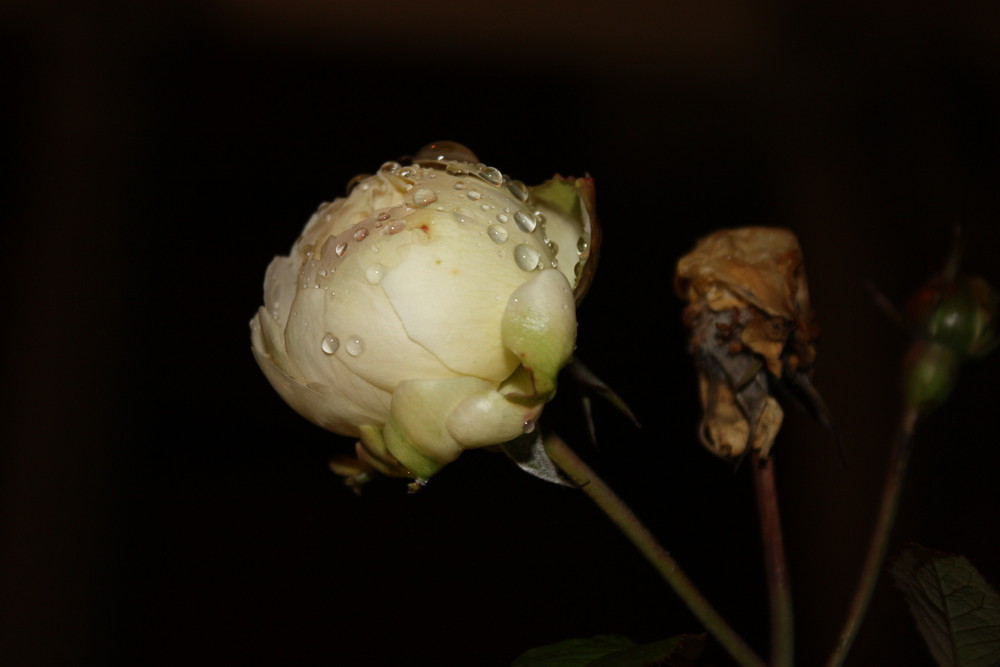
(451, 290)
(280, 287)
(348, 393)
(357, 311)
(323, 405)
(376, 193)
(434, 420)
(489, 418)
(417, 434)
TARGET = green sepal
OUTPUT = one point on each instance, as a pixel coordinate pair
(539, 327)
(417, 463)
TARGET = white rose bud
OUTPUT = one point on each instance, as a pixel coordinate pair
(430, 310)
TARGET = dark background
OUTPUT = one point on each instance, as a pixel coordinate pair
(160, 505)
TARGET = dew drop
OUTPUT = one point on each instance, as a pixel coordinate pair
(502, 217)
(374, 273)
(497, 233)
(354, 346)
(474, 195)
(395, 227)
(445, 150)
(355, 181)
(490, 175)
(424, 197)
(361, 234)
(459, 186)
(539, 217)
(518, 189)
(526, 257)
(528, 426)
(456, 169)
(383, 216)
(582, 244)
(330, 343)
(340, 249)
(525, 221)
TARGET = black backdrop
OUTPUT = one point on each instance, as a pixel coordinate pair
(160, 504)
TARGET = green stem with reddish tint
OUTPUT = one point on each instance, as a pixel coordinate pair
(778, 585)
(637, 533)
(880, 538)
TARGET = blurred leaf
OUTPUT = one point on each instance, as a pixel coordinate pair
(614, 651)
(573, 652)
(957, 611)
(679, 651)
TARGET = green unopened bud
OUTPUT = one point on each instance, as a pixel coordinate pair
(960, 314)
(929, 374)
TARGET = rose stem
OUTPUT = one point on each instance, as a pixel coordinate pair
(778, 585)
(637, 533)
(900, 456)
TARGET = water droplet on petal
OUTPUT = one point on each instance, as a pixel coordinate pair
(528, 426)
(474, 195)
(459, 186)
(526, 257)
(445, 150)
(490, 175)
(361, 234)
(383, 216)
(526, 221)
(424, 197)
(518, 189)
(374, 273)
(354, 346)
(340, 249)
(502, 217)
(330, 343)
(582, 244)
(395, 227)
(456, 169)
(497, 233)
(355, 181)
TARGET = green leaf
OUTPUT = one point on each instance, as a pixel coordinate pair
(614, 651)
(677, 651)
(573, 652)
(957, 611)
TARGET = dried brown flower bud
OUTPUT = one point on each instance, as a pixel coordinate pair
(750, 323)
